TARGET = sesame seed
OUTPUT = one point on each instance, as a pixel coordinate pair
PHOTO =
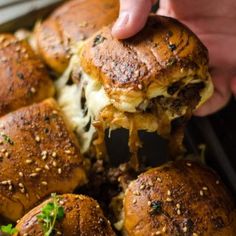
(150, 184)
(5, 182)
(205, 188)
(21, 185)
(140, 86)
(142, 187)
(38, 169)
(59, 171)
(195, 234)
(185, 229)
(158, 233)
(169, 199)
(164, 229)
(54, 112)
(22, 190)
(3, 150)
(54, 154)
(44, 157)
(159, 179)
(25, 234)
(201, 193)
(149, 203)
(134, 201)
(7, 154)
(168, 192)
(37, 139)
(32, 90)
(189, 164)
(10, 187)
(44, 183)
(28, 161)
(178, 212)
(68, 151)
(137, 193)
(33, 174)
(44, 153)
(54, 164)
(178, 206)
(21, 174)
(46, 167)
(217, 182)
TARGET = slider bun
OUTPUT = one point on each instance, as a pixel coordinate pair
(179, 198)
(72, 22)
(83, 216)
(23, 77)
(164, 60)
(39, 155)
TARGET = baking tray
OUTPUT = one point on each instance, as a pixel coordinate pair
(217, 132)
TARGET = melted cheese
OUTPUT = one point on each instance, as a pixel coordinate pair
(71, 99)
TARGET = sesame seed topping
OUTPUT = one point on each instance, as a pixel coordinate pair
(46, 167)
(189, 164)
(140, 86)
(168, 192)
(169, 199)
(217, 182)
(22, 190)
(158, 233)
(10, 187)
(29, 161)
(68, 151)
(54, 163)
(54, 154)
(178, 212)
(37, 139)
(21, 174)
(21, 185)
(205, 188)
(38, 169)
(137, 193)
(164, 229)
(142, 187)
(44, 183)
(59, 171)
(195, 234)
(178, 206)
(32, 90)
(33, 174)
(159, 179)
(7, 154)
(185, 229)
(201, 193)
(149, 203)
(134, 201)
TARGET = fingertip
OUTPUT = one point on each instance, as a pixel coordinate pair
(132, 18)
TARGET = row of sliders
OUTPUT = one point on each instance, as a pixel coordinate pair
(179, 198)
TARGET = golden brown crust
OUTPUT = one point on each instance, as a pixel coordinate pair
(180, 198)
(23, 77)
(83, 216)
(73, 22)
(39, 155)
(139, 68)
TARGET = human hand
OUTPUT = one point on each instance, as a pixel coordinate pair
(212, 21)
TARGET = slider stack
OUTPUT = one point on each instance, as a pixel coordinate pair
(52, 130)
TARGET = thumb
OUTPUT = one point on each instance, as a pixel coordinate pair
(132, 18)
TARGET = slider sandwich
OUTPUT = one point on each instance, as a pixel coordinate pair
(74, 21)
(39, 155)
(23, 77)
(151, 82)
(80, 215)
(179, 198)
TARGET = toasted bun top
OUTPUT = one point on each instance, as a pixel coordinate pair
(143, 67)
(83, 216)
(72, 22)
(180, 198)
(23, 78)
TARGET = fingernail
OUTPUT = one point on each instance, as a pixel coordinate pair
(122, 20)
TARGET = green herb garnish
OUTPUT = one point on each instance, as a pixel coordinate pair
(8, 229)
(51, 213)
(6, 138)
(156, 208)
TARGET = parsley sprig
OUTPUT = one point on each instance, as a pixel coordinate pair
(8, 229)
(51, 213)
